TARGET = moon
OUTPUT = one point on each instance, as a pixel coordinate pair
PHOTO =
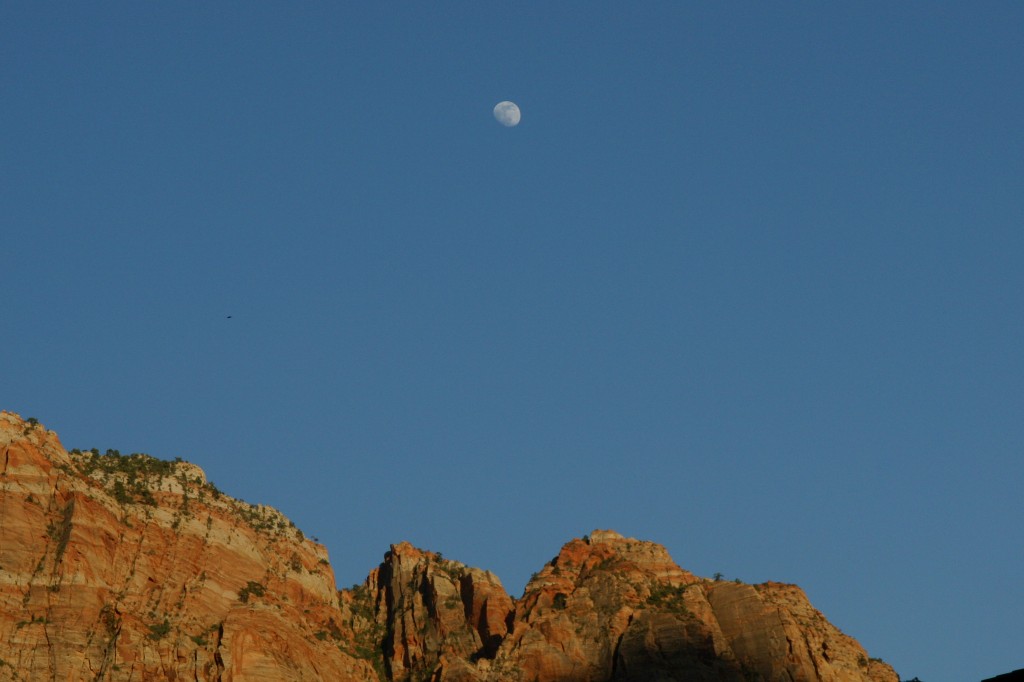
(507, 114)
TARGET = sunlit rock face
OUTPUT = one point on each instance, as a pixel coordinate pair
(129, 568)
(118, 568)
(615, 608)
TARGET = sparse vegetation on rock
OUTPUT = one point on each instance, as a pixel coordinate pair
(251, 589)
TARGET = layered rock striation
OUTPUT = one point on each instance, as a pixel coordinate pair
(130, 568)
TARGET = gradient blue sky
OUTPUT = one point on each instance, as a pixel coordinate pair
(746, 280)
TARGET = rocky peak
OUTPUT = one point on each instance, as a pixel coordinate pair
(434, 613)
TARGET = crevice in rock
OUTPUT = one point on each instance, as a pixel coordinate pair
(62, 533)
(466, 595)
(810, 655)
(113, 625)
(618, 644)
(427, 597)
(218, 658)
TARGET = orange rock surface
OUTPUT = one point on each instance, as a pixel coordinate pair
(118, 568)
(129, 568)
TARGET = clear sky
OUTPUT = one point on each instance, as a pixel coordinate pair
(746, 281)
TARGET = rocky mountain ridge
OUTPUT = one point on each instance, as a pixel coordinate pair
(130, 568)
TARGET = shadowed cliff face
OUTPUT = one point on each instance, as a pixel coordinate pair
(432, 614)
(129, 568)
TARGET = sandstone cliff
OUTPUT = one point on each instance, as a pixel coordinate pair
(130, 568)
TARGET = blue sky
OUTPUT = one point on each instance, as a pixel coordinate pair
(745, 281)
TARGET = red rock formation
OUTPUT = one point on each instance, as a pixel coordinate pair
(117, 568)
(433, 614)
(615, 608)
(129, 568)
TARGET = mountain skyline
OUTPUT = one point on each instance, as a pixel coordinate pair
(116, 567)
(744, 280)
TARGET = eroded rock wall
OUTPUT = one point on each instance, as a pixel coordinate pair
(129, 568)
(118, 568)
